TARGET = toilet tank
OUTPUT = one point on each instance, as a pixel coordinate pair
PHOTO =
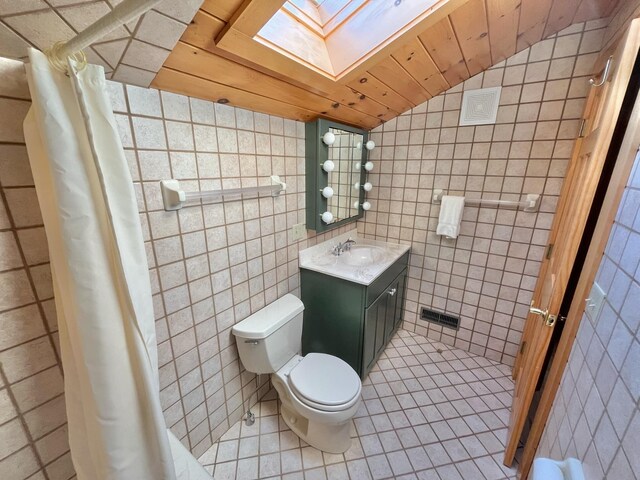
(272, 336)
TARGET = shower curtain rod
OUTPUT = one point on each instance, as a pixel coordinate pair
(123, 13)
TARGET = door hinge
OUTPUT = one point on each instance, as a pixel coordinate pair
(549, 251)
(582, 125)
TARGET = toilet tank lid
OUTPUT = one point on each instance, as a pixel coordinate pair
(269, 319)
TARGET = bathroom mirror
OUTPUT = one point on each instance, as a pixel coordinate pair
(337, 166)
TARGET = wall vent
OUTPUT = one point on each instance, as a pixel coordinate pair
(480, 107)
(439, 318)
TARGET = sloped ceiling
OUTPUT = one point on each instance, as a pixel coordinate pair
(217, 57)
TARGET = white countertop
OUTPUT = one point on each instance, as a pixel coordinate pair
(320, 259)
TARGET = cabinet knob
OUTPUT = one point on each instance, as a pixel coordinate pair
(392, 292)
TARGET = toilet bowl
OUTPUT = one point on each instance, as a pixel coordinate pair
(319, 393)
(317, 410)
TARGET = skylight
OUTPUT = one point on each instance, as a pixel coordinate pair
(334, 36)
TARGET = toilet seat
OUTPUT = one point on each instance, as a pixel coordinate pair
(325, 382)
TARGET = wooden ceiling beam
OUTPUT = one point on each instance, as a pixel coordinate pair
(180, 82)
(251, 16)
(254, 53)
(204, 64)
(202, 30)
(222, 9)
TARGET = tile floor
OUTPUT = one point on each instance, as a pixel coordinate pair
(429, 411)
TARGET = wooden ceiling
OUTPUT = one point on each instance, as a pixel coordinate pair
(219, 59)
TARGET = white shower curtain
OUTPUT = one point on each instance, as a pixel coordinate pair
(101, 280)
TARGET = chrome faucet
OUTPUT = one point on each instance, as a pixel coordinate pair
(345, 246)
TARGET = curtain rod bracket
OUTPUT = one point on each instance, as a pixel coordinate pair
(122, 14)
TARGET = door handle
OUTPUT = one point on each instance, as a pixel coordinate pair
(549, 320)
(392, 292)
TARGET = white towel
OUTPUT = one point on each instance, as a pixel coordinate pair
(450, 216)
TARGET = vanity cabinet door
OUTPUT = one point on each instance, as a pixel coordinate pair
(375, 320)
(381, 319)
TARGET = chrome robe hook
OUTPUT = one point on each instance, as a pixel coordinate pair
(605, 74)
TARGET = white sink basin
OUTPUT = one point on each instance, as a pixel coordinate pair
(362, 264)
(362, 255)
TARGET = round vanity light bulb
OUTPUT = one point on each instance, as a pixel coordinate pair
(368, 166)
(356, 185)
(356, 205)
(327, 192)
(357, 166)
(328, 166)
(328, 138)
(359, 145)
(370, 145)
(367, 187)
(366, 206)
(327, 217)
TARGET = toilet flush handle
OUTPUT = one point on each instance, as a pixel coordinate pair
(252, 342)
(392, 292)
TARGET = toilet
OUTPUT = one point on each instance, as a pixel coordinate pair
(320, 393)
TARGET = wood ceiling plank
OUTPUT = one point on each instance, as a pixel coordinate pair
(533, 19)
(248, 52)
(592, 9)
(180, 82)
(370, 86)
(204, 64)
(389, 72)
(443, 47)
(503, 16)
(414, 59)
(561, 16)
(470, 26)
(223, 9)
(202, 30)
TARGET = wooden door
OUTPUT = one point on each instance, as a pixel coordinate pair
(577, 195)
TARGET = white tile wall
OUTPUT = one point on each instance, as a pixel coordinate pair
(486, 276)
(595, 416)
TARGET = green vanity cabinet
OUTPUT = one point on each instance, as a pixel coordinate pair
(349, 320)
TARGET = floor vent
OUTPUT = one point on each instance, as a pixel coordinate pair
(439, 318)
